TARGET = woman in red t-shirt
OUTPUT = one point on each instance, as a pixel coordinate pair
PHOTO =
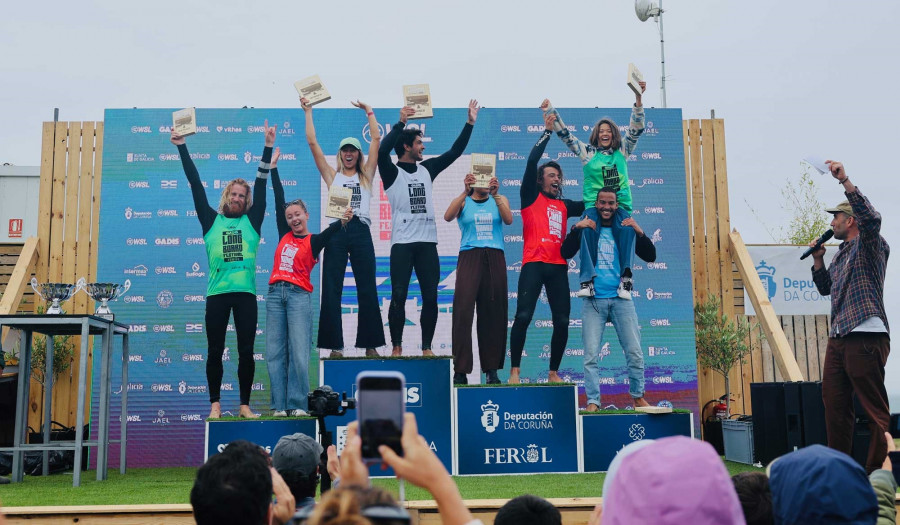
(289, 302)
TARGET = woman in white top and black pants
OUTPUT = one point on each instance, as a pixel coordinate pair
(353, 241)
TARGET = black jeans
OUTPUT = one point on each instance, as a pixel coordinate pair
(354, 241)
(555, 279)
(218, 310)
(423, 258)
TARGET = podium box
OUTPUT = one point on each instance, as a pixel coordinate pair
(516, 430)
(427, 396)
(604, 435)
(263, 432)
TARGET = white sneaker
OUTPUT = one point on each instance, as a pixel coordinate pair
(587, 290)
(279, 413)
(298, 413)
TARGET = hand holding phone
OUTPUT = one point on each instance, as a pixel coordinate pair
(380, 405)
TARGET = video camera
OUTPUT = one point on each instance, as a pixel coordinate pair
(324, 401)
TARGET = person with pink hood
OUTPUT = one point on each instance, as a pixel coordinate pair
(674, 480)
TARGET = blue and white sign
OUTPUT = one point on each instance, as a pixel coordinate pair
(604, 435)
(427, 396)
(788, 280)
(516, 430)
(264, 433)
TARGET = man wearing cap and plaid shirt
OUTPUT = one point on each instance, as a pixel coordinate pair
(859, 340)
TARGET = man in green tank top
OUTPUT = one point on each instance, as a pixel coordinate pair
(231, 235)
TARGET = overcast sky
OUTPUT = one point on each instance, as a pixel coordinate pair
(789, 78)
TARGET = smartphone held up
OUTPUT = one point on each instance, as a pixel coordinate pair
(380, 405)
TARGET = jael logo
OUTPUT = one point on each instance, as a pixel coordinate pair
(490, 418)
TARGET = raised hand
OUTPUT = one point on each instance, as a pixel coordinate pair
(362, 105)
(586, 223)
(176, 139)
(353, 470)
(545, 104)
(275, 158)
(637, 97)
(285, 503)
(348, 214)
(270, 134)
(468, 182)
(633, 224)
(837, 169)
(549, 120)
(419, 465)
(304, 103)
(406, 112)
(473, 111)
(494, 186)
(334, 463)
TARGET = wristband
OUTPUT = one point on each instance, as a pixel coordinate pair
(370, 113)
(843, 181)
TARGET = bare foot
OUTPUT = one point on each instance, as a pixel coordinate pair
(513, 376)
(592, 407)
(397, 351)
(640, 402)
(215, 410)
(371, 352)
(247, 413)
(553, 377)
(427, 352)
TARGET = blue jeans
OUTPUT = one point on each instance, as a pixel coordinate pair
(595, 313)
(625, 240)
(288, 340)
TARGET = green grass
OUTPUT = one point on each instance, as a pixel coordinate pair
(173, 485)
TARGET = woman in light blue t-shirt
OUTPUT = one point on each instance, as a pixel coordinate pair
(480, 278)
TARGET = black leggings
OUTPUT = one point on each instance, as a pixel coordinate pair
(218, 309)
(555, 279)
(423, 257)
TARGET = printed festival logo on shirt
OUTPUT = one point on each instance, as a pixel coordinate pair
(484, 226)
(555, 222)
(287, 258)
(357, 195)
(233, 245)
(417, 197)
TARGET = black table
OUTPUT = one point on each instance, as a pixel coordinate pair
(83, 325)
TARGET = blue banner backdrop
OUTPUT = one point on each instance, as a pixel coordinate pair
(149, 234)
(516, 430)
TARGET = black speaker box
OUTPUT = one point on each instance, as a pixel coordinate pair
(792, 416)
(769, 421)
(812, 414)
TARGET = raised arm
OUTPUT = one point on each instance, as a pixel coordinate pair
(528, 192)
(205, 213)
(278, 190)
(635, 124)
(386, 168)
(582, 150)
(443, 161)
(318, 240)
(502, 202)
(325, 170)
(375, 136)
(457, 204)
(258, 211)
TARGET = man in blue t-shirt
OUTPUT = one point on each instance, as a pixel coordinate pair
(606, 305)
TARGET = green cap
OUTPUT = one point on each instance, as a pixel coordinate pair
(351, 141)
(843, 207)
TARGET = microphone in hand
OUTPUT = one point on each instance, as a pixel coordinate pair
(819, 242)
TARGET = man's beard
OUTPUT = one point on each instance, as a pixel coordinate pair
(232, 211)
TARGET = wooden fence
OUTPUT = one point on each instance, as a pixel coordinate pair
(68, 226)
(9, 256)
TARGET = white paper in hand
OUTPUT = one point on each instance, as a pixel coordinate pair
(818, 163)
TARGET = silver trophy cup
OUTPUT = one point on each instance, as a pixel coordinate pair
(104, 293)
(56, 293)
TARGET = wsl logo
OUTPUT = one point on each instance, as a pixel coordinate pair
(767, 276)
(490, 418)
